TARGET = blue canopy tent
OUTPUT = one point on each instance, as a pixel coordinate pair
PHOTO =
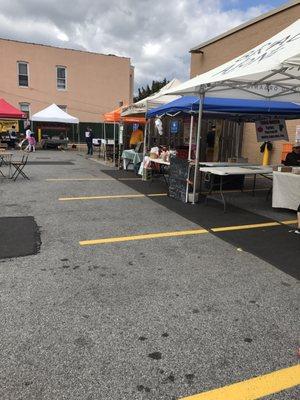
(235, 109)
(240, 109)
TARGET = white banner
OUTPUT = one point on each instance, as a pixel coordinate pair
(270, 130)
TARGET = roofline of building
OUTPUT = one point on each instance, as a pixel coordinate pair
(63, 48)
(245, 24)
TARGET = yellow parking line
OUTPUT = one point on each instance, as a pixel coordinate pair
(241, 227)
(178, 233)
(117, 196)
(254, 388)
(290, 222)
(142, 237)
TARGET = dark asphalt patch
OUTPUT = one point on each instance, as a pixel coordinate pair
(276, 245)
(50, 163)
(19, 236)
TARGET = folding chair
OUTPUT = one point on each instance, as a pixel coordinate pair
(19, 167)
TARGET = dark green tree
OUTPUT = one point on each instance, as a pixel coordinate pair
(147, 91)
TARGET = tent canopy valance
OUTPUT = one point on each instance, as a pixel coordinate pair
(54, 114)
(9, 111)
(236, 108)
(270, 70)
(142, 106)
(115, 116)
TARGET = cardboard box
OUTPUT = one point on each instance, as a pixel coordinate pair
(285, 169)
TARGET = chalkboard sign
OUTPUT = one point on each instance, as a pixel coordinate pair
(177, 180)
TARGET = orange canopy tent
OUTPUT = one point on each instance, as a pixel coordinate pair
(115, 116)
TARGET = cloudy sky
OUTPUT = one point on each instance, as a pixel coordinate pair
(155, 34)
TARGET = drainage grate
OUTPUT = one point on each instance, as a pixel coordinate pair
(20, 237)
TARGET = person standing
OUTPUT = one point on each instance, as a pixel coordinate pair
(32, 142)
(12, 136)
(28, 134)
(89, 141)
(293, 158)
(136, 136)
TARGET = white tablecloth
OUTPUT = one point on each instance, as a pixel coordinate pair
(286, 190)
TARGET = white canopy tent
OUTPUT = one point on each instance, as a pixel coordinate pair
(54, 114)
(268, 71)
(155, 100)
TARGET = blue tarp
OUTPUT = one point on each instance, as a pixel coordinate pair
(229, 107)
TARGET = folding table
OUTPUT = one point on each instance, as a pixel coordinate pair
(232, 171)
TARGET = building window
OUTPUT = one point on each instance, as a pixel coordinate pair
(62, 107)
(61, 78)
(25, 108)
(23, 73)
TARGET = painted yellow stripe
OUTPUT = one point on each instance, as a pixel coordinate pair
(142, 237)
(241, 227)
(178, 233)
(254, 388)
(117, 196)
(289, 222)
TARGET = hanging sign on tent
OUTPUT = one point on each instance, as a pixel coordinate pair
(174, 126)
(121, 131)
(270, 130)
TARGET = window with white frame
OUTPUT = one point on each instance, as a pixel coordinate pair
(62, 107)
(61, 78)
(25, 108)
(23, 74)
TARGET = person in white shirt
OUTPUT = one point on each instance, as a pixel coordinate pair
(28, 134)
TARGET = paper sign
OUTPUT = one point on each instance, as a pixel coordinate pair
(174, 126)
(270, 130)
(121, 131)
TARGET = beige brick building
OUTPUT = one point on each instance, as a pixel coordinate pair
(237, 41)
(85, 84)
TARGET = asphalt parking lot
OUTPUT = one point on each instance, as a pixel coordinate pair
(131, 295)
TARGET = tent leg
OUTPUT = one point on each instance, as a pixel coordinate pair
(191, 138)
(189, 158)
(201, 100)
(119, 147)
(114, 148)
(145, 140)
(104, 147)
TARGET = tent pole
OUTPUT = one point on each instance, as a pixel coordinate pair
(201, 100)
(145, 139)
(114, 155)
(119, 147)
(189, 157)
(104, 147)
(191, 137)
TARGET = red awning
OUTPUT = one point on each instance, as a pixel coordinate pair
(9, 111)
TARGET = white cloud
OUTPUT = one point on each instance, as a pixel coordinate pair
(155, 34)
